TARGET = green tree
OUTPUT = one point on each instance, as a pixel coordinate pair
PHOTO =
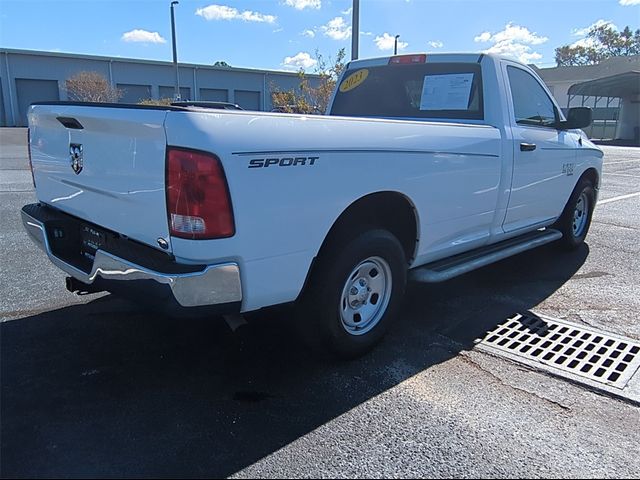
(308, 98)
(602, 42)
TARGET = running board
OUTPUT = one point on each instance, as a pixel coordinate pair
(452, 267)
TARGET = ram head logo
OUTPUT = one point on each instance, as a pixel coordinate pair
(75, 153)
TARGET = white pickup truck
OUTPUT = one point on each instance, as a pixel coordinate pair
(425, 167)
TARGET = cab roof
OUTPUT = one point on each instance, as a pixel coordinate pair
(430, 58)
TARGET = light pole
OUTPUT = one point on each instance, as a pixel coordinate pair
(176, 93)
(355, 29)
(395, 46)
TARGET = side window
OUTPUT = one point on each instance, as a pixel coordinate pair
(531, 104)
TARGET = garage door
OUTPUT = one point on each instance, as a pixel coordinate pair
(134, 93)
(248, 100)
(167, 92)
(214, 95)
(29, 91)
(3, 118)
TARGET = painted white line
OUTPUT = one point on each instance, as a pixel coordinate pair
(621, 174)
(622, 161)
(621, 197)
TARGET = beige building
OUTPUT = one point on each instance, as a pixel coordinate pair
(611, 88)
(28, 76)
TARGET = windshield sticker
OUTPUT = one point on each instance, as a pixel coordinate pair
(446, 92)
(354, 80)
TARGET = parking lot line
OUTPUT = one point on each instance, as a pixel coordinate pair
(621, 197)
(621, 174)
(622, 161)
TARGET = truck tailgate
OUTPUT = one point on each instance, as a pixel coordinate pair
(117, 180)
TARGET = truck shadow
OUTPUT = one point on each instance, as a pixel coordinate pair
(108, 389)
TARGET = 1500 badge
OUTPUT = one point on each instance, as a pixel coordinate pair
(283, 162)
(567, 169)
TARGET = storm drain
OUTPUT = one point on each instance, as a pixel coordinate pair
(566, 347)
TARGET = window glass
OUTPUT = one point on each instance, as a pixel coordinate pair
(531, 104)
(427, 90)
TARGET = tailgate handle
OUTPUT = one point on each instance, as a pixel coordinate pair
(70, 122)
(527, 147)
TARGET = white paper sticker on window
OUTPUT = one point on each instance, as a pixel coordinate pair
(446, 92)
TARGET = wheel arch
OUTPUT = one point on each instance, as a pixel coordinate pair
(390, 210)
(591, 174)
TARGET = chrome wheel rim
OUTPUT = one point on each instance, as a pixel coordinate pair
(580, 215)
(365, 296)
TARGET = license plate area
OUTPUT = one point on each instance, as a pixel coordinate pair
(92, 239)
(75, 241)
(66, 242)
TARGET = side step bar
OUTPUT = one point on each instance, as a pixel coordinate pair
(452, 267)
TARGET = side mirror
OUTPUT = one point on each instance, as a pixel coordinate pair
(578, 117)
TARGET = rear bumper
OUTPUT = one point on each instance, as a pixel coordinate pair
(197, 288)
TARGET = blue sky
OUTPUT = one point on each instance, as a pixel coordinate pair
(284, 34)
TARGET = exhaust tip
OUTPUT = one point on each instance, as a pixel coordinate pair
(80, 288)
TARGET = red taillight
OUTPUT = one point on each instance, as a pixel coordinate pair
(198, 202)
(408, 59)
(33, 178)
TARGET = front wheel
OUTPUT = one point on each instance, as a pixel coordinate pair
(355, 293)
(575, 220)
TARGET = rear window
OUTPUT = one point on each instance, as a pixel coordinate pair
(427, 90)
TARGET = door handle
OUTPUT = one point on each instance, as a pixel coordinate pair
(527, 147)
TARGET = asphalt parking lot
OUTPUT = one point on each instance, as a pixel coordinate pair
(98, 386)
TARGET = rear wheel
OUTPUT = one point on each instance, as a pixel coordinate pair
(354, 294)
(365, 295)
(575, 220)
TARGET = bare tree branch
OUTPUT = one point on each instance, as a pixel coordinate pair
(91, 87)
(308, 98)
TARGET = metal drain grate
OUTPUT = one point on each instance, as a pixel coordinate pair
(587, 353)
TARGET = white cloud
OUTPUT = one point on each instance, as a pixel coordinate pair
(584, 42)
(223, 12)
(516, 50)
(302, 4)
(516, 33)
(514, 41)
(483, 37)
(337, 29)
(387, 42)
(142, 36)
(348, 11)
(309, 33)
(436, 44)
(629, 2)
(301, 60)
(582, 32)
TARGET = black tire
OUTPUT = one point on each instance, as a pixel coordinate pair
(573, 238)
(319, 309)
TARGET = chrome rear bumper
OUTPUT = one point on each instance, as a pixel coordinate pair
(214, 285)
